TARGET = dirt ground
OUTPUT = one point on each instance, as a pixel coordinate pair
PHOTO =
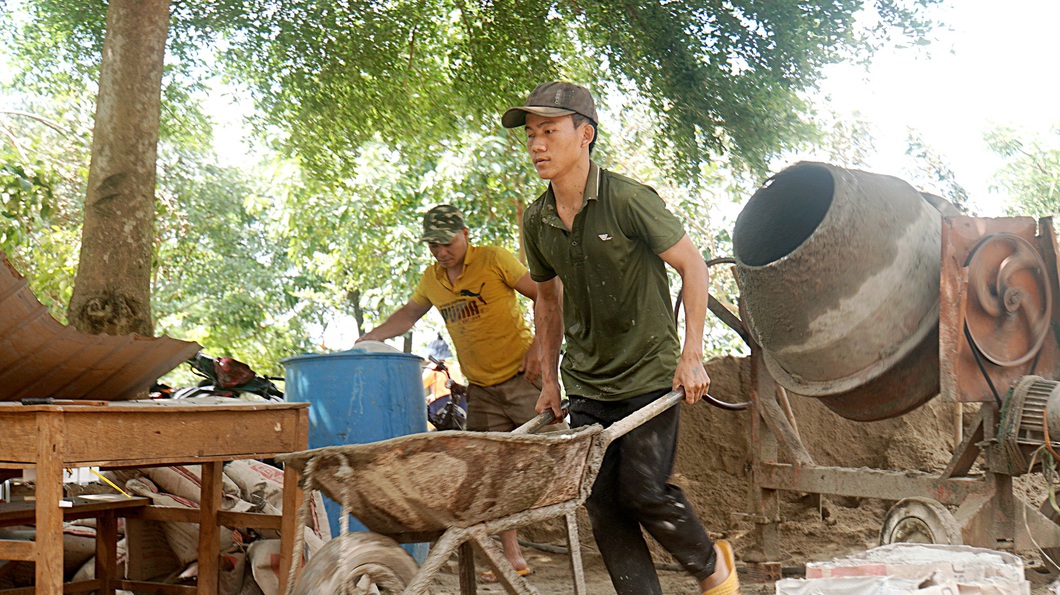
(714, 465)
(552, 576)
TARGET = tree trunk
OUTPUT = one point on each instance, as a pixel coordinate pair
(354, 297)
(112, 290)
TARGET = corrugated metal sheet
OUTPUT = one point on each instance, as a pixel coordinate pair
(39, 357)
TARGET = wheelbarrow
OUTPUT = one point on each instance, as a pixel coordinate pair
(458, 488)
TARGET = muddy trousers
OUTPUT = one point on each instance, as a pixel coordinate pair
(631, 492)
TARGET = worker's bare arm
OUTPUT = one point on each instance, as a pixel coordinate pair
(688, 262)
(398, 323)
(527, 287)
(548, 323)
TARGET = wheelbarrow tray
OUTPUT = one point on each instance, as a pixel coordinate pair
(437, 480)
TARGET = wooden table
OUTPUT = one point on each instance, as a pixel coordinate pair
(49, 438)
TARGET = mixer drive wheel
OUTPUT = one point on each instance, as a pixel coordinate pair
(920, 520)
(1009, 299)
(354, 563)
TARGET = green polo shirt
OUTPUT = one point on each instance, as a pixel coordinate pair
(621, 340)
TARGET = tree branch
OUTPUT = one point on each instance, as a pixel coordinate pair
(14, 141)
(49, 123)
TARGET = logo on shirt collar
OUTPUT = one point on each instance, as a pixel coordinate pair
(605, 236)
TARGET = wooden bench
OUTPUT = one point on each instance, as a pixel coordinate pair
(106, 509)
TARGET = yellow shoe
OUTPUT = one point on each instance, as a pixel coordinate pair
(731, 584)
(487, 576)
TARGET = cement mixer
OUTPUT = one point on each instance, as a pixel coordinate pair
(860, 291)
(839, 273)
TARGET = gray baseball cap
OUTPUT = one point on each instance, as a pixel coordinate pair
(553, 99)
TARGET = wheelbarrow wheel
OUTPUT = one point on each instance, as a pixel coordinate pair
(354, 563)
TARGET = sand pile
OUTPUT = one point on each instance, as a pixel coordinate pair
(715, 457)
(714, 462)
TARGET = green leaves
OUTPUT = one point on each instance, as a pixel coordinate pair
(26, 201)
(379, 111)
(39, 198)
(1031, 173)
(722, 77)
(222, 272)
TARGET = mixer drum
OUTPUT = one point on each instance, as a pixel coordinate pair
(839, 276)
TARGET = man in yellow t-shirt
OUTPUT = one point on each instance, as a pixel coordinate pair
(474, 288)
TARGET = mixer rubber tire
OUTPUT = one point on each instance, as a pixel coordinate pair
(347, 560)
(920, 520)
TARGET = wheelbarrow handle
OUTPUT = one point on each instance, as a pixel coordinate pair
(643, 415)
(539, 421)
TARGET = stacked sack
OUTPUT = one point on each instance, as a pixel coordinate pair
(914, 569)
(168, 551)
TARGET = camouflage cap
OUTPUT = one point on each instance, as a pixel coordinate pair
(441, 224)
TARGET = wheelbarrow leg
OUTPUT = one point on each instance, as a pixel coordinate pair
(506, 575)
(466, 560)
(440, 552)
(575, 547)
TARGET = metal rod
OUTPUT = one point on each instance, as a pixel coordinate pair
(785, 404)
(725, 404)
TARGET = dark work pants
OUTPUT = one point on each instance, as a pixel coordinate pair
(631, 492)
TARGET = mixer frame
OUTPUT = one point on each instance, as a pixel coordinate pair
(976, 503)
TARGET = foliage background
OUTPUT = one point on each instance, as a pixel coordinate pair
(363, 116)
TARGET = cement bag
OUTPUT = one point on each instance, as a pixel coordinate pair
(264, 559)
(149, 556)
(259, 481)
(264, 556)
(252, 483)
(978, 589)
(849, 585)
(960, 564)
(185, 481)
(87, 571)
(233, 572)
(79, 545)
(319, 525)
(183, 537)
(886, 585)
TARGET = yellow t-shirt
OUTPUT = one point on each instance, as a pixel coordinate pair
(482, 312)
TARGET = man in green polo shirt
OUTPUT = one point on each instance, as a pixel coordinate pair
(597, 244)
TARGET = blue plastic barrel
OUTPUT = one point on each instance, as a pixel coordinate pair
(356, 397)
